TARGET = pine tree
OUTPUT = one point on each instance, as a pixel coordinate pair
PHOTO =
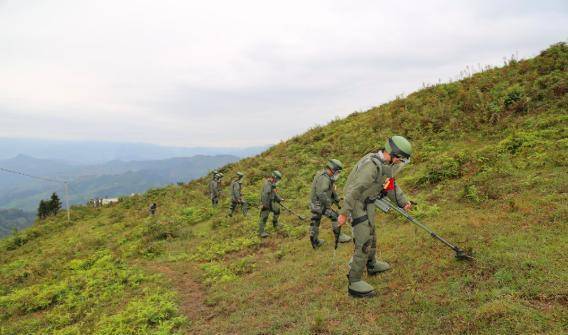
(54, 204)
(42, 210)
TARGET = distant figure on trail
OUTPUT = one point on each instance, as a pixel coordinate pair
(237, 196)
(153, 208)
(270, 201)
(322, 197)
(215, 188)
(372, 178)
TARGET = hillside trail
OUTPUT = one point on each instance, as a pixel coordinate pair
(191, 294)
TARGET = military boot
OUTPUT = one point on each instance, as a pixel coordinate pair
(360, 289)
(263, 234)
(376, 267)
(316, 243)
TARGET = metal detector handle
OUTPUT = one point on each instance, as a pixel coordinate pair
(382, 205)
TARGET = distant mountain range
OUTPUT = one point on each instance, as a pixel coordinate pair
(109, 179)
(11, 219)
(98, 152)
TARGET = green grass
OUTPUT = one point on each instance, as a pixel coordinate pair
(489, 173)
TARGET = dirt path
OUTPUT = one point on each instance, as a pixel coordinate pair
(191, 293)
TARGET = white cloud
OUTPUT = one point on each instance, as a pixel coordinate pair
(239, 72)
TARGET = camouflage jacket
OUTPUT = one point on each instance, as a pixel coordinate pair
(366, 180)
(269, 194)
(323, 190)
(214, 187)
(236, 189)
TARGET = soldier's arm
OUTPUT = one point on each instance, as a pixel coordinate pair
(334, 196)
(322, 187)
(277, 197)
(354, 193)
(397, 196)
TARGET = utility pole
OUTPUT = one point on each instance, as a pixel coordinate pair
(67, 201)
(65, 186)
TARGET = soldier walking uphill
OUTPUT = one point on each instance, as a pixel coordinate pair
(323, 196)
(215, 188)
(237, 196)
(372, 178)
(270, 201)
(152, 209)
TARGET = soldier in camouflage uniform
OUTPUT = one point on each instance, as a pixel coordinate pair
(323, 196)
(215, 188)
(237, 196)
(372, 177)
(270, 202)
(153, 208)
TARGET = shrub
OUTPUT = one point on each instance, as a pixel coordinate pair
(156, 313)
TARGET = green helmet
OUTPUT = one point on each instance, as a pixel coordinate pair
(215, 172)
(240, 174)
(335, 165)
(220, 175)
(277, 174)
(398, 146)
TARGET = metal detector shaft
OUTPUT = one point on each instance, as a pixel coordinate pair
(291, 211)
(385, 204)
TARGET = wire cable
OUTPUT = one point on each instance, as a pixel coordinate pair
(31, 176)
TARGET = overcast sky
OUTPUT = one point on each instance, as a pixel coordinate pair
(240, 73)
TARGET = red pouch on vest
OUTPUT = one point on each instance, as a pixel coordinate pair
(389, 184)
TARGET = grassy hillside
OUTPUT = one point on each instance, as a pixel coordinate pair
(490, 173)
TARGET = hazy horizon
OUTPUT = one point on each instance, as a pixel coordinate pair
(89, 152)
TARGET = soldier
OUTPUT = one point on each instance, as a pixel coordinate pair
(215, 188)
(270, 201)
(372, 177)
(236, 195)
(153, 208)
(323, 196)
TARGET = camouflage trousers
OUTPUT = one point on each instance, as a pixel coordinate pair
(235, 204)
(316, 220)
(364, 239)
(265, 212)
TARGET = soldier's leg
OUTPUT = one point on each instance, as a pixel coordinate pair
(362, 240)
(275, 215)
(374, 266)
(314, 229)
(262, 222)
(244, 207)
(233, 207)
